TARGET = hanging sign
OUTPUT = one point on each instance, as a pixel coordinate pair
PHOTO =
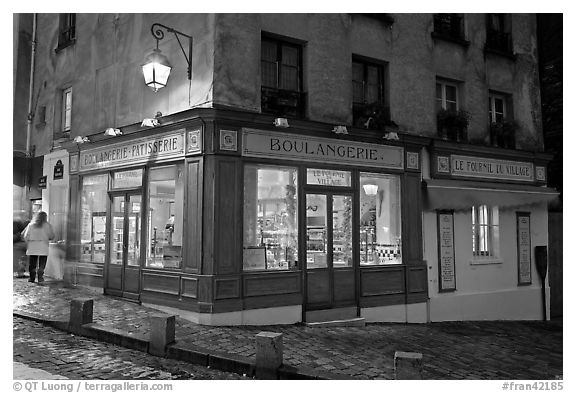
(266, 144)
(446, 255)
(58, 170)
(524, 249)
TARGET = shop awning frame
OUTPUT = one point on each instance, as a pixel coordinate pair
(462, 194)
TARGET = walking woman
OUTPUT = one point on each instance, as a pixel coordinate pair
(37, 235)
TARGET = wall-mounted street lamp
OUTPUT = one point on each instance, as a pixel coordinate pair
(156, 67)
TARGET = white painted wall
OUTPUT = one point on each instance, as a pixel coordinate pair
(50, 161)
(490, 290)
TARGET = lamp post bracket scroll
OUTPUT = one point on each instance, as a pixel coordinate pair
(156, 67)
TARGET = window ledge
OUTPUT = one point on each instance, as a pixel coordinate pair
(445, 37)
(486, 261)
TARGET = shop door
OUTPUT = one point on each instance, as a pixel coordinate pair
(330, 278)
(123, 260)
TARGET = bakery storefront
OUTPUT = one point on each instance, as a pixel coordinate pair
(486, 233)
(247, 225)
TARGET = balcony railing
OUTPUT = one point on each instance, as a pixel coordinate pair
(374, 116)
(503, 134)
(498, 41)
(283, 102)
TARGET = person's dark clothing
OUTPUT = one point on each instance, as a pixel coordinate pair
(40, 262)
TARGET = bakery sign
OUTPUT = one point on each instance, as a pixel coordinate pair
(264, 144)
(133, 152)
(489, 168)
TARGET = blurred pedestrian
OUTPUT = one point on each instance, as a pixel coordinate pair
(20, 261)
(37, 235)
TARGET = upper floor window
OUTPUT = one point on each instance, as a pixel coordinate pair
(446, 95)
(498, 36)
(502, 125)
(450, 27)
(66, 109)
(281, 76)
(485, 231)
(497, 109)
(370, 109)
(452, 121)
(67, 30)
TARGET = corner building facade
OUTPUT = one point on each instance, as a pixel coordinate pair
(300, 174)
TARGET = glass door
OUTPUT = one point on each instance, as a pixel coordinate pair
(123, 268)
(329, 255)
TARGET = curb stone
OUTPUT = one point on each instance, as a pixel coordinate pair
(190, 354)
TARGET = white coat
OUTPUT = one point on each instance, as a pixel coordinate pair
(37, 238)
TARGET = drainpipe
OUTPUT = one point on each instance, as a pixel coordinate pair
(27, 182)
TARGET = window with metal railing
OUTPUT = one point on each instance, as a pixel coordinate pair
(502, 125)
(369, 106)
(498, 37)
(448, 26)
(67, 31)
(281, 78)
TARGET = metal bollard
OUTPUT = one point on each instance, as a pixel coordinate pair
(408, 365)
(162, 333)
(269, 354)
(81, 313)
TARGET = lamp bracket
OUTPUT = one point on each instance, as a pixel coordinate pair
(158, 34)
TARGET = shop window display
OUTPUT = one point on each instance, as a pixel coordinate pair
(165, 219)
(270, 218)
(93, 218)
(380, 219)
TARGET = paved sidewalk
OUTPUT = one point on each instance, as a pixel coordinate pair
(528, 350)
(22, 371)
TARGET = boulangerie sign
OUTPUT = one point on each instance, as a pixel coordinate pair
(137, 151)
(259, 143)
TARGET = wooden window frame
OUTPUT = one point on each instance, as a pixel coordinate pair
(276, 100)
(279, 66)
(443, 83)
(66, 111)
(492, 107)
(66, 31)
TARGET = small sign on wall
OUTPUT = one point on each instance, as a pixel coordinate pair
(42, 182)
(58, 170)
(446, 254)
(524, 248)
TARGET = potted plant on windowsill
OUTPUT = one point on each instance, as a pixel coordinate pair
(375, 116)
(503, 134)
(452, 124)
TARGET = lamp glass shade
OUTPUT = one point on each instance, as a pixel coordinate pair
(156, 70)
(370, 189)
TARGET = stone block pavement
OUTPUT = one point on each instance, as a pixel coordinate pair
(492, 350)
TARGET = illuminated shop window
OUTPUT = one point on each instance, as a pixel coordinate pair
(93, 218)
(165, 219)
(270, 218)
(485, 231)
(380, 219)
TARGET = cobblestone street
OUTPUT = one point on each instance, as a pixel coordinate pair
(486, 350)
(63, 354)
